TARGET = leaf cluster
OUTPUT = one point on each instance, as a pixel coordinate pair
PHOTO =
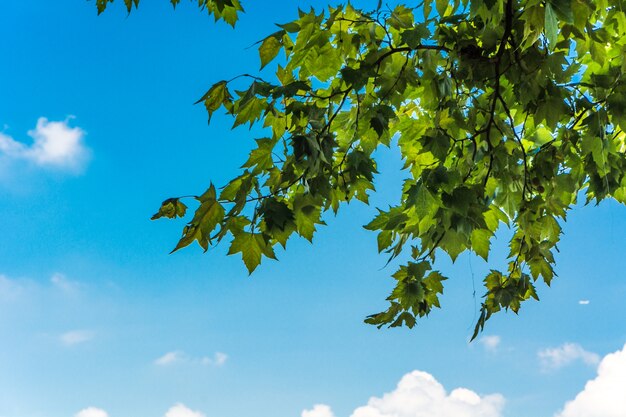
(505, 111)
(227, 10)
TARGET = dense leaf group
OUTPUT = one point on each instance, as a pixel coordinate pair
(226, 10)
(504, 112)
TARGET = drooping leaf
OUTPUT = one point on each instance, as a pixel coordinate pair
(252, 247)
(270, 47)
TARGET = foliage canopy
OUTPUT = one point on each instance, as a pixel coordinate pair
(504, 112)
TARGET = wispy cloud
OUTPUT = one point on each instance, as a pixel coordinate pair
(63, 283)
(180, 410)
(583, 302)
(55, 145)
(558, 357)
(26, 289)
(218, 359)
(420, 394)
(170, 358)
(92, 412)
(76, 337)
(318, 410)
(490, 343)
(602, 396)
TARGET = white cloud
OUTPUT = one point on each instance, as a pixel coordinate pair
(318, 410)
(555, 358)
(218, 359)
(76, 337)
(92, 412)
(179, 356)
(180, 410)
(490, 343)
(583, 302)
(170, 358)
(55, 145)
(63, 283)
(418, 394)
(603, 396)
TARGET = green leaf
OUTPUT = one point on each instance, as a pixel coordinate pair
(171, 208)
(217, 96)
(307, 214)
(206, 218)
(401, 17)
(419, 197)
(276, 214)
(413, 37)
(252, 247)
(261, 158)
(551, 26)
(454, 243)
(442, 6)
(428, 7)
(226, 10)
(270, 47)
(249, 111)
(563, 10)
(481, 242)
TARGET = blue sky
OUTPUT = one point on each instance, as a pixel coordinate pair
(96, 319)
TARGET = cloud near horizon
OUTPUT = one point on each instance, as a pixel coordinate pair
(180, 410)
(178, 356)
(177, 410)
(603, 396)
(419, 394)
(61, 282)
(76, 337)
(92, 412)
(556, 358)
(55, 145)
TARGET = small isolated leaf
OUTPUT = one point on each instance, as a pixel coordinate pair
(213, 99)
(129, 4)
(270, 47)
(102, 5)
(170, 208)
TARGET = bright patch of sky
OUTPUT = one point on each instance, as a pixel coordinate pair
(97, 320)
